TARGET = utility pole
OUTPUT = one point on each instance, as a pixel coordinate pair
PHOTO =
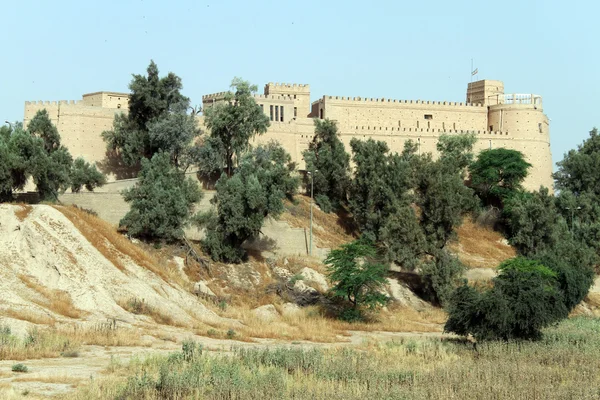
(312, 181)
(572, 216)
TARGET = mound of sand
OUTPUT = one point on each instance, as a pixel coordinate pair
(50, 272)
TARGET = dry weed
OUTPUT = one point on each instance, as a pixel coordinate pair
(480, 247)
(57, 300)
(331, 230)
(29, 316)
(23, 212)
(114, 246)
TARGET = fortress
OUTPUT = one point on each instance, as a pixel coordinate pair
(513, 121)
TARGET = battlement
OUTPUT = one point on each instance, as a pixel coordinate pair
(214, 96)
(54, 102)
(384, 100)
(298, 86)
(378, 129)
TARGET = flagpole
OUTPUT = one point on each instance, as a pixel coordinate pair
(471, 70)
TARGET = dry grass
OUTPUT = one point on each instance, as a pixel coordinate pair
(561, 366)
(311, 324)
(140, 307)
(64, 379)
(23, 212)
(29, 316)
(115, 247)
(57, 300)
(330, 230)
(480, 247)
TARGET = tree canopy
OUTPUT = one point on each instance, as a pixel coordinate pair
(232, 123)
(497, 174)
(36, 154)
(327, 159)
(256, 190)
(157, 121)
(161, 202)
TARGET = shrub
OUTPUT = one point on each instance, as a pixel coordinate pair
(524, 299)
(20, 368)
(441, 276)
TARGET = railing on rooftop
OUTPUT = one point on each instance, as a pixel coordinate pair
(515, 98)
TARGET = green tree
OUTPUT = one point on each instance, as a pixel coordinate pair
(51, 172)
(380, 186)
(357, 277)
(157, 120)
(234, 122)
(85, 175)
(327, 159)
(497, 174)
(532, 221)
(42, 127)
(524, 299)
(456, 151)
(243, 201)
(441, 274)
(578, 170)
(162, 201)
(443, 200)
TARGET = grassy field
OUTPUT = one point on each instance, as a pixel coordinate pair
(564, 365)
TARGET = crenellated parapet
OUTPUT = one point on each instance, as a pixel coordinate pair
(362, 100)
(53, 102)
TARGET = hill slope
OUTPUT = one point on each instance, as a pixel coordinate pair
(50, 272)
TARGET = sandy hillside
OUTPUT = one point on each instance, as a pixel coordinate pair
(50, 273)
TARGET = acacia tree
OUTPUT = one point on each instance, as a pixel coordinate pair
(357, 277)
(327, 159)
(497, 174)
(232, 123)
(254, 192)
(157, 121)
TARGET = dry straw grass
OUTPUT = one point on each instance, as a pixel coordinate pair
(115, 247)
(23, 212)
(330, 230)
(561, 366)
(56, 300)
(141, 307)
(29, 316)
(480, 247)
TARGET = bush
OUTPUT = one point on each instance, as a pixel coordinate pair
(20, 368)
(441, 276)
(524, 299)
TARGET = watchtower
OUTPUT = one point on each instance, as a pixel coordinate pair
(298, 92)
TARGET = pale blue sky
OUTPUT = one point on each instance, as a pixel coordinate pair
(58, 50)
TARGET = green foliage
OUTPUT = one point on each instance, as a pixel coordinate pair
(524, 299)
(37, 154)
(243, 201)
(233, 122)
(572, 263)
(210, 157)
(85, 175)
(403, 239)
(157, 121)
(379, 188)
(41, 126)
(578, 170)
(443, 200)
(327, 159)
(532, 221)
(497, 174)
(456, 151)
(161, 201)
(441, 275)
(356, 277)
(19, 368)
